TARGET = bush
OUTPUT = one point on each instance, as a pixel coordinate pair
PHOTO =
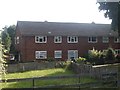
(81, 60)
(110, 55)
(107, 56)
(94, 56)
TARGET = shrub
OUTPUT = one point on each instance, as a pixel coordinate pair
(94, 56)
(98, 57)
(110, 55)
(81, 60)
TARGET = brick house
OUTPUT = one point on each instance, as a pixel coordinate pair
(62, 41)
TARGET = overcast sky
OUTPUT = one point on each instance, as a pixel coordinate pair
(81, 11)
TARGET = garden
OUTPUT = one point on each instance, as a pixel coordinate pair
(93, 58)
(43, 73)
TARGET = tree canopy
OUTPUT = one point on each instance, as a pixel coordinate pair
(6, 40)
(112, 10)
(8, 36)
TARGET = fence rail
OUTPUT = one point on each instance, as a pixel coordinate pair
(42, 78)
(78, 84)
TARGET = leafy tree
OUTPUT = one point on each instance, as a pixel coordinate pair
(112, 10)
(6, 40)
(2, 62)
(11, 31)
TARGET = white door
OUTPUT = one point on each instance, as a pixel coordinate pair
(72, 54)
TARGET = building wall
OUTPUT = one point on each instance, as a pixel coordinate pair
(28, 46)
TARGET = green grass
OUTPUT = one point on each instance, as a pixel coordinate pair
(38, 73)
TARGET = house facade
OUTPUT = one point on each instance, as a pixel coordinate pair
(62, 41)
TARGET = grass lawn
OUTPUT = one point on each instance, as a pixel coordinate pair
(38, 73)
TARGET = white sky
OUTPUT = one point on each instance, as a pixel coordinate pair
(82, 11)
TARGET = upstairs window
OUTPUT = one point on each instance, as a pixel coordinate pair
(116, 39)
(40, 39)
(17, 40)
(57, 39)
(72, 39)
(92, 39)
(58, 54)
(41, 54)
(105, 39)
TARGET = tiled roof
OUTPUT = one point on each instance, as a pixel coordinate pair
(64, 29)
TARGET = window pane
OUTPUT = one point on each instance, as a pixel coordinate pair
(117, 39)
(58, 54)
(72, 54)
(57, 39)
(41, 54)
(72, 39)
(93, 39)
(40, 39)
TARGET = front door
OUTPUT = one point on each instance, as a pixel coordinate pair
(72, 54)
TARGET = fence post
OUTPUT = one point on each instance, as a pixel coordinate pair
(33, 83)
(79, 81)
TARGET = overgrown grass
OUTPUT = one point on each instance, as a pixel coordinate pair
(48, 72)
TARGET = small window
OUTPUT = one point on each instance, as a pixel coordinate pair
(57, 39)
(92, 39)
(117, 51)
(17, 40)
(58, 54)
(72, 39)
(105, 39)
(40, 39)
(117, 39)
(41, 54)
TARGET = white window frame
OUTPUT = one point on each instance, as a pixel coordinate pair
(90, 39)
(17, 40)
(73, 51)
(118, 39)
(40, 37)
(72, 37)
(59, 39)
(38, 54)
(117, 51)
(105, 39)
(56, 54)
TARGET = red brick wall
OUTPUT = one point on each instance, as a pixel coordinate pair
(28, 46)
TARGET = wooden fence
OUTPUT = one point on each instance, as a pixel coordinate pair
(78, 84)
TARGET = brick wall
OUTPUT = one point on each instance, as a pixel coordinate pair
(28, 47)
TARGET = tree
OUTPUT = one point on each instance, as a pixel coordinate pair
(6, 40)
(2, 62)
(11, 31)
(112, 10)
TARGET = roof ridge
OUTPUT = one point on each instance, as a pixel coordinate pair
(60, 22)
